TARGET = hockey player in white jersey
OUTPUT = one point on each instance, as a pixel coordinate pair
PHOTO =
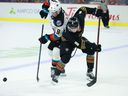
(58, 22)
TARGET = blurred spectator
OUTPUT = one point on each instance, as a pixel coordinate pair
(126, 2)
(89, 1)
(123, 2)
(80, 1)
(5, 0)
(21, 0)
(67, 1)
(39, 1)
(113, 2)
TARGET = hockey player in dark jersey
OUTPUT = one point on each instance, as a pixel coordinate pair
(72, 37)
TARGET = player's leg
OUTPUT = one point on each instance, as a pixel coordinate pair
(65, 54)
(90, 66)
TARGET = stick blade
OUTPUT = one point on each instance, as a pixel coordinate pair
(91, 83)
(37, 79)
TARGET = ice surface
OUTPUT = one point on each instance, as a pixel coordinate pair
(19, 49)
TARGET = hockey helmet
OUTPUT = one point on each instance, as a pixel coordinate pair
(73, 24)
(55, 8)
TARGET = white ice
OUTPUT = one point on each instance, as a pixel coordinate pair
(19, 51)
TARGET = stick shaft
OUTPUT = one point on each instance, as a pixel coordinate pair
(98, 35)
(37, 75)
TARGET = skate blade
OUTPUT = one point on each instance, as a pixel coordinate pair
(89, 79)
(63, 75)
(53, 82)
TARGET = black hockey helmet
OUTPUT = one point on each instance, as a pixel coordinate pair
(73, 24)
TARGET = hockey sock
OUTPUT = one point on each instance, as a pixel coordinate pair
(54, 62)
(90, 62)
(60, 66)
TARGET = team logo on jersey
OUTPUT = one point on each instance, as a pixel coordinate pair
(66, 49)
(58, 23)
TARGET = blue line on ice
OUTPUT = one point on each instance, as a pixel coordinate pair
(47, 61)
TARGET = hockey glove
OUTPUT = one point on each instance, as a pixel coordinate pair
(93, 47)
(98, 48)
(98, 13)
(44, 39)
(44, 12)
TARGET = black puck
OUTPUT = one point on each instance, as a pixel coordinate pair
(4, 79)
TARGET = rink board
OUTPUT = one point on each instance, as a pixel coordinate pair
(29, 12)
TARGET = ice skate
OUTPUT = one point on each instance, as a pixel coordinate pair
(106, 26)
(52, 71)
(55, 79)
(53, 75)
(90, 76)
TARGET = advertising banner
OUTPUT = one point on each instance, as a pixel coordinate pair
(29, 12)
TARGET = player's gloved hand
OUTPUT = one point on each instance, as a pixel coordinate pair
(93, 47)
(44, 39)
(98, 48)
(44, 12)
(98, 12)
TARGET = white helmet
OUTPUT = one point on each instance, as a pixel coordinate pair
(55, 8)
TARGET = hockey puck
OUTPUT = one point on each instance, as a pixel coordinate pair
(4, 79)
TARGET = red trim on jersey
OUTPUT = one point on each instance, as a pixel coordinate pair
(54, 63)
(52, 38)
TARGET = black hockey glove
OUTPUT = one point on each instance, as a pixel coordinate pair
(98, 48)
(92, 46)
(44, 12)
(99, 13)
(44, 39)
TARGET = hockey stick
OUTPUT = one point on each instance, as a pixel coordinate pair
(96, 68)
(37, 75)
